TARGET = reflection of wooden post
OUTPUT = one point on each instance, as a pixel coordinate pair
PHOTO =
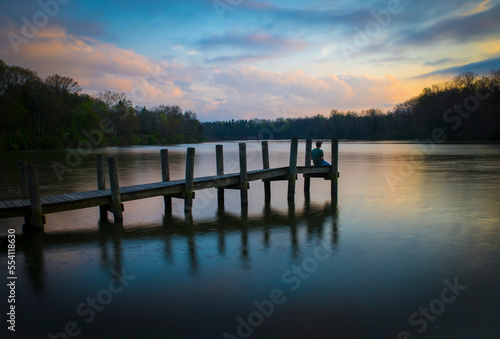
(307, 180)
(265, 165)
(188, 191)
(165, 176)
(243, 174)
(116, 201)
(292, 169)
(35, 199)
(219, 157)
(335, 167)
(101, 185)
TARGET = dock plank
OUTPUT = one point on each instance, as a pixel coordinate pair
(88, 195)
(19, 203)
(100, 193)
(58, 198)
(80, 196)
(313, 169)
(69, 197)
(9, 204)
(47, 200)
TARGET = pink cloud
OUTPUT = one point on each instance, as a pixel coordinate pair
(235, 92)
(97, 65)
(258, 93)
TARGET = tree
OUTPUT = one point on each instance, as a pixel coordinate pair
(60, 84)
(111, 99)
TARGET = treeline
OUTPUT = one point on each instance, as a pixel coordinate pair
(465, 108)
(54, 113)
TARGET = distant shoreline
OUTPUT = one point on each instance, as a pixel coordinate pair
(450, 142)
(401, 142)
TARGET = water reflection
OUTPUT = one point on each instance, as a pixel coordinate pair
(398, 246)
(221, 243)
(111, 237)
(34, 252)
(111, 233)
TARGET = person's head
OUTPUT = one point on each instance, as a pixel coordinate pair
(319, 143)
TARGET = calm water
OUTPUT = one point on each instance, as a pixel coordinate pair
(413, 245)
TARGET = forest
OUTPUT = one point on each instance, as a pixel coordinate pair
(465, 108)
(53, 112)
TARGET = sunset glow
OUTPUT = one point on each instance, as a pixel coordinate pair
(245, 59)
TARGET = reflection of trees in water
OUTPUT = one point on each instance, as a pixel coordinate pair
(317, 220)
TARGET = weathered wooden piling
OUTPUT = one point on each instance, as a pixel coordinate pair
(307, 180)
(21, 166)
(37, 217)
(101, 185)
(334, 174)
(188, 190)
(219, 159)
(165, 176)
(116, 202)
(265, 165)
(292, 169)
(243, 173)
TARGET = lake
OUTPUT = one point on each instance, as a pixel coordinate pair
(410, 250)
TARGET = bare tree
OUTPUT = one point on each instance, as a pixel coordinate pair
(111, 99)
(62, 84)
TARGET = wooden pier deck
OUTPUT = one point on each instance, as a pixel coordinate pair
(33, 207)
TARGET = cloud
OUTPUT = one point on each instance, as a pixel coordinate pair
(248, 41)
(213, 93)
(483, 66)
(457, 28)
(253, 92)
(97, 65)
(238, 47)
(483, 6)
(438, 62)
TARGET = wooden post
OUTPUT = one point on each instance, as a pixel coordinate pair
(243, 174)
(307, 180)
(116, 201)
(35, 199)
(101, 185)
(25, 194)
(265, 165)
(335, 168)
(219, 157)
(292, 170)
(21, 165)
(188, 191)
(165, 176)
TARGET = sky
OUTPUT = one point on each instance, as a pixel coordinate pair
(232, 59)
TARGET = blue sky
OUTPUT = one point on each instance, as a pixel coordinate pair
(228, 59)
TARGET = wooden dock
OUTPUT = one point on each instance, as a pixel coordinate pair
(33, 207)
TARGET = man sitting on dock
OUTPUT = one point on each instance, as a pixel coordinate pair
(317, 155)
